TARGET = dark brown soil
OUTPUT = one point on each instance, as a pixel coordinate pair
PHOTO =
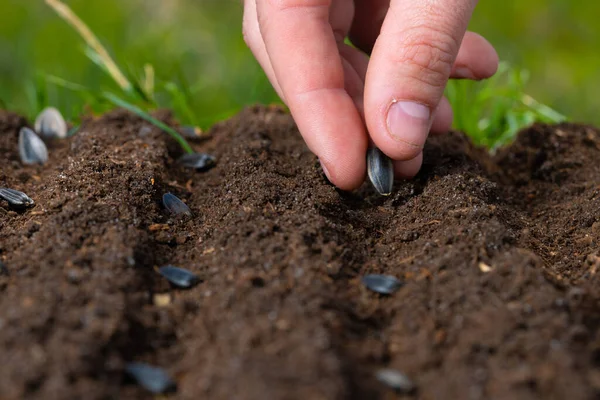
(499, 257)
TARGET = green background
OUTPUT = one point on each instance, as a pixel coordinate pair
(197, 44)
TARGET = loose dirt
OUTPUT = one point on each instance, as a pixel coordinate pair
(499, 258)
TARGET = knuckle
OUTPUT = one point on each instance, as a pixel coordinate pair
(428, 54)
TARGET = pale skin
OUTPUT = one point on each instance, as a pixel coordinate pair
(341, 99)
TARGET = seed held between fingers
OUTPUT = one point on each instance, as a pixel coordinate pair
(380, 169)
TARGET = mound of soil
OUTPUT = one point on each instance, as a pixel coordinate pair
(498, 255)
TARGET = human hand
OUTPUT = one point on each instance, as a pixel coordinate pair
(337, 94)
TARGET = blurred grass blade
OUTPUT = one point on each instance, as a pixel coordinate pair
(148, 80)
(56, 80)
(85, 32)
(542, 109)
(180, 102)
(144, 115)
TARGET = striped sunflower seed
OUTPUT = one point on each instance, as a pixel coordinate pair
(16, 198)
(31, 148)
(382, 284)
(179, 277)
(380, 170)
(50, 123)
(198, 161)
(153, 379)
(395, 380)
(175, 205)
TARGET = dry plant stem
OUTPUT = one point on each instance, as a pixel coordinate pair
(68, 15)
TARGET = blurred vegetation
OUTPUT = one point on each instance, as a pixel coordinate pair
(205, 72)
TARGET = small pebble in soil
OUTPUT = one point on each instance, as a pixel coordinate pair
(383, 284)
(179, 277)
(198, 161)
(31, 148)
(154, 379)
(380, 170)
(50, 123)
(395, 380)
(175, 205)
(15, 198)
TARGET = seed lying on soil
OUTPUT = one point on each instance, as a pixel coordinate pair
(179, 277)
(381, 171)
(198, 161)
(50, 123)
(175, 205)
(191, 132)
(383, 284)
(31, 148)
(153, 379)
(395, 380)
(16, 198)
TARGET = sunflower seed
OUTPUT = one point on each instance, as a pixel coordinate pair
(383, 284)
(50, 123)
(153, 379)
(395, 380)
(381, 171)
(175, 205)
(198, 161)
(191, 132)
(31, 148)
(179, 277)
(16, 198)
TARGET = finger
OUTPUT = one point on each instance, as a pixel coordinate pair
(410, 65)
(409, 168)
(442, 120)
(254, 41)
(368, 18)
(304, 54)
(355, 69)
(477, 59)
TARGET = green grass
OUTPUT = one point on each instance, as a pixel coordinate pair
(493, 111)
(189, 56)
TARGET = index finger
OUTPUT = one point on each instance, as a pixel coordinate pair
(305, 58)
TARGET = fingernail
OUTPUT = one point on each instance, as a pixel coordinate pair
(325, 171)
(464, 73)
(409, 122)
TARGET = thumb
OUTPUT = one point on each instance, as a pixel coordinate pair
(408, 71)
